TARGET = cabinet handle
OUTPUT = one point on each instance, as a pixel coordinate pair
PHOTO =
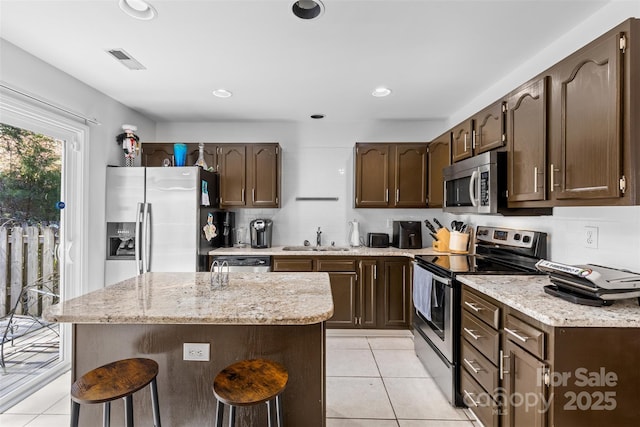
(253, 195)
(471, 332)
(473, 140)
(375, 272)
(243, 195)
(535, 179)
(552, 179)
(468, 396)
(516, 334)
(502, 370)
(473, 368)
(473, 306)
(386, 196)
(465, 142)
(397, 195)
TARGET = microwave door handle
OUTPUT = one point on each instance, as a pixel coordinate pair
(472, 187)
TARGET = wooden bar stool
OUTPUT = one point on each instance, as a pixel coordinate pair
(113, 381)
(250, 382)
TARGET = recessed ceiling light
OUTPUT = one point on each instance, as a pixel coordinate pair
(138, 9)
(222, 93)
(317, 116)
(307, 9)
(381, 91)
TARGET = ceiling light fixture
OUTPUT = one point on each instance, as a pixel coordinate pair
(222, 93)
(307, 9)
(381, 91)
(317, 116)
(138, 9)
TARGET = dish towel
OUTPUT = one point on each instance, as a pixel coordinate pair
(422, 287)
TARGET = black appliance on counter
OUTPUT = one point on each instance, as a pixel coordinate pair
(261, 230)
(378, 240)
(407, 234)
(436, 296)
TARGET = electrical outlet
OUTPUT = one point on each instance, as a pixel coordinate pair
(195, 351)
(389, 223)
(591, 237)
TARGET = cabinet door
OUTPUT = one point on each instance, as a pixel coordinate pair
(524, 377)
(232, 159)
(461, 139)
(438, 158)
(527, 130)
(367, 280)
(343, 289)
(489, 128)
(292, 264)
(586, 122)
(372, 175)
(396, 295)
(263, 175)
(157, 153)
(410, 175)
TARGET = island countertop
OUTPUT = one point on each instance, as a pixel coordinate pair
(526, 294)
(189, 298)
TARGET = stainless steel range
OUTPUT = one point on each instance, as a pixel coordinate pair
(436, 295)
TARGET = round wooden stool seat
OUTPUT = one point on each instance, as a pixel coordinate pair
(114, 380)
(249, 382)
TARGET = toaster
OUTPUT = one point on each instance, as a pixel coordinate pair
(377, 240)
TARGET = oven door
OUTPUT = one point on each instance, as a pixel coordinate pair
(433, 303)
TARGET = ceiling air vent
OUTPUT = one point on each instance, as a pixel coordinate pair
(125, 59)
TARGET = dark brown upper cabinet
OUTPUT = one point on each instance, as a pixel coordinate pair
(527, 136)
(161, 154)
(484, 131)
(249, 175)
(438, 157)
(391, 175)
(587, 120)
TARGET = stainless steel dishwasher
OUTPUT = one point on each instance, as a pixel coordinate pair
(245, 263)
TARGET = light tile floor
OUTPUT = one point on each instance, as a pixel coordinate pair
(374, 379)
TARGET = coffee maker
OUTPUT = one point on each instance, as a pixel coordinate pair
(261, 233)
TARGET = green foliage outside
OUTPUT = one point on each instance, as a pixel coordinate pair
(30, 170)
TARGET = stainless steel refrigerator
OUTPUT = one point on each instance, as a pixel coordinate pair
(153, 219)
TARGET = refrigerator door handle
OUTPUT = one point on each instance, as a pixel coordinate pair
(138, 239)
(146, 248)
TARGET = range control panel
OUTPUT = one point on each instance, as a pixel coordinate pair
(507, 237)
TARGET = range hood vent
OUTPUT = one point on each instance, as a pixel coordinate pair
(125, 59)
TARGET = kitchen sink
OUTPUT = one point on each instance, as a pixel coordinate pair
(315, 248)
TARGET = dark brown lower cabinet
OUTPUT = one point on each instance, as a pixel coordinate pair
(368, 292)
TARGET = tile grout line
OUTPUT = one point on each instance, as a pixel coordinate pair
(384, 384)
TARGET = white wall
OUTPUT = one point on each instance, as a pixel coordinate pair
(23, 71)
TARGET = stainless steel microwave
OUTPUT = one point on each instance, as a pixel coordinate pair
(476, 185)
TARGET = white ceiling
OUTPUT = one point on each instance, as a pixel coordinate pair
(435, 55)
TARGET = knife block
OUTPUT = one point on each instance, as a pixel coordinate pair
(442, 244)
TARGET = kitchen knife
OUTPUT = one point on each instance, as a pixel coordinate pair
(434, 236)
(430, 226)
(438, 223)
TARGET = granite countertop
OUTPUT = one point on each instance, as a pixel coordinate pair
(526, 294)
(358, 251)
(179, 298)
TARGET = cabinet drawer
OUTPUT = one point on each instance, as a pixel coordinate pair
(292, 264)
(481, 336)
(478, 401)
(481, 308)
(526, 336)
(336, 264)
(479, 368)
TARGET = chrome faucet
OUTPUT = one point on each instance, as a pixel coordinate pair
(318, 237)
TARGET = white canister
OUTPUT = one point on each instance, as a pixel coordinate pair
(354, 233)
(459, 242)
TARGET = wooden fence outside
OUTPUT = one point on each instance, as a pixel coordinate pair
(27, 258)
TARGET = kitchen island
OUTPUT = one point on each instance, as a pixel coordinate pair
(279, 316)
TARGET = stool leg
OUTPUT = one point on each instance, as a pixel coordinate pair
(219, 413)
(279, 411)
(128, 409)
(106, 414)
(154, 402)
(232, 416)
(75, 413)
(270, 413)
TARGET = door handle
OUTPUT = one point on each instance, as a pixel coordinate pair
(146, 247)
(472, 188)
(472, 334)
(137, 239)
